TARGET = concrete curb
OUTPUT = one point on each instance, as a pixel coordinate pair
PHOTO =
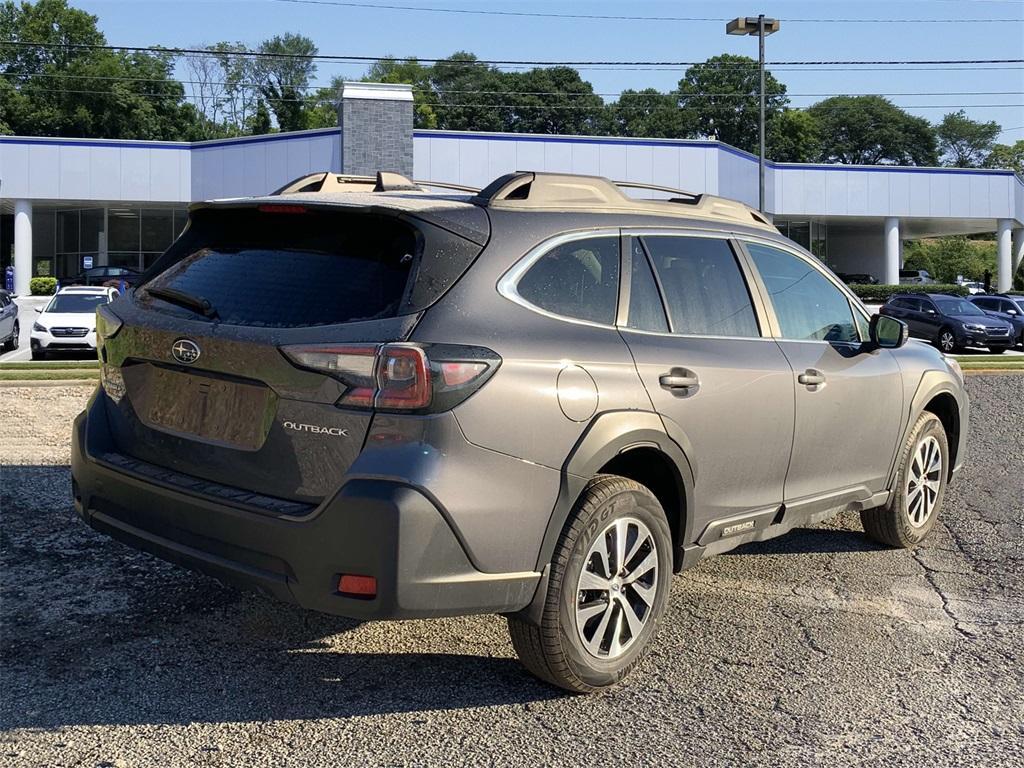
(49, 383)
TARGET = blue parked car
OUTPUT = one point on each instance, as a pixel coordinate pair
(1007, 308)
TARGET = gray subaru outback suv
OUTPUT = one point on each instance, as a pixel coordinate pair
(541, 399)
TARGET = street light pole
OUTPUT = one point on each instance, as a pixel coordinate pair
(760, 143)
(762, 27)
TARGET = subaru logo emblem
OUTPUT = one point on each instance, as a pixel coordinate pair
(185, 351)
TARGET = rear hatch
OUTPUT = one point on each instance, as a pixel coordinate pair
(194, 361)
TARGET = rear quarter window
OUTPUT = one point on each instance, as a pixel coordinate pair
(578, 279)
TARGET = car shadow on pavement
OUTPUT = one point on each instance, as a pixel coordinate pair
(95, 632)
(802, 541)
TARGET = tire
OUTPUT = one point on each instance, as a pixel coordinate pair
(907, 519)
(598, 650)
(946, 341)
(15, 339)
(38, 354)
(997, 350)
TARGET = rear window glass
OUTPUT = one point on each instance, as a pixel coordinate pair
(77, 302)
(287, 270)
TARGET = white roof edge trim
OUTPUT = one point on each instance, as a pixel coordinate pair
(376, 91)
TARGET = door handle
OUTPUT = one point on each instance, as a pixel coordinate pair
(679, 378)
(811, 378)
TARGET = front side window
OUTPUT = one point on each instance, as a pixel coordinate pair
(705, 292)
(578, 279)
(807, 304)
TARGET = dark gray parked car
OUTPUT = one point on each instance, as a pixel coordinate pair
(540, 400)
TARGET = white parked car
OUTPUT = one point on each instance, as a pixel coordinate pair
(69, 321)
(974, 288)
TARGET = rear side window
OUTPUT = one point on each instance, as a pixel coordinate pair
(705, 292)
(578, 279)
(286, 270)
(807, 304)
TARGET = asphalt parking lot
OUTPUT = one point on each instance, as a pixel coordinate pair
(819, 648)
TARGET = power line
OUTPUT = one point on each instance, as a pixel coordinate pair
(603, 17)
(245, 53)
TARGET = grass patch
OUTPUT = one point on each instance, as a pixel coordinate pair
(68, 374)
(43, 365)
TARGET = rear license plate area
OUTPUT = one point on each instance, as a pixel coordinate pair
(204, 407)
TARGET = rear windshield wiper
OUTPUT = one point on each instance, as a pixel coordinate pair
(195, 303)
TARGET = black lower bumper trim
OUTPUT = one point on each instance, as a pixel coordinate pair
(371, 527)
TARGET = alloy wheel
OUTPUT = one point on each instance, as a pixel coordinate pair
(923, 481)
(947, 341)
(617, 588)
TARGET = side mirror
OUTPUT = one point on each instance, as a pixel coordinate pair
(1012, 312)
(39, 310)
(930, 311)
(888, 332)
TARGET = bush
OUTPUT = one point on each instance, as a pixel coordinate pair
(42, 286)
(879, 294)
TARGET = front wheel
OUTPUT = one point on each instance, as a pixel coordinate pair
(946, 341)
(38, 354)
(607, 588)
(997, 350)
(916, 501)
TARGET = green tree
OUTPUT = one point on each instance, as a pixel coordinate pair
(1007, 156)
(410, 71)
(75, 91)
(553, 100)
(284, 72)
(259, 121)
(794, 136)
(948, 258)
(872, 130)
(720, 99)
(649, 113)
(965, 143)
(470, 96)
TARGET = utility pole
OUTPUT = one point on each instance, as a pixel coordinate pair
(762, 27)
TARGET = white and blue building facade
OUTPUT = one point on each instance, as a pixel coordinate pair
(66, 203)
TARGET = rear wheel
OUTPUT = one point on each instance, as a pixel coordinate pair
(946, 341)
(916, 501)
(607, 589)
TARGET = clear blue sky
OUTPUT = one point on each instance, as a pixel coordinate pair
(364, 31)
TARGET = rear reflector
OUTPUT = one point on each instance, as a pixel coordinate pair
(357, 586)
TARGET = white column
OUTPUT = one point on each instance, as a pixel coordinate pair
(1005, 276)
(1016, 249)
(892, 251)
(22, 246)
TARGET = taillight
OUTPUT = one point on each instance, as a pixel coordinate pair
(399, 377)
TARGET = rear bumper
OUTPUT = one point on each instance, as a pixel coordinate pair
(371, 527)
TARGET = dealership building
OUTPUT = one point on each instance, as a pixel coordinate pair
(68, 203)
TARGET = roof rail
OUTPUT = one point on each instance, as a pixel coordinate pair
(537, 190)
(384, 181)
(565, 191)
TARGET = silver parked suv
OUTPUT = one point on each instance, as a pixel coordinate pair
(541, 399)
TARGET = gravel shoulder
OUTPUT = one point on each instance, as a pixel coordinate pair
(818, 648)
